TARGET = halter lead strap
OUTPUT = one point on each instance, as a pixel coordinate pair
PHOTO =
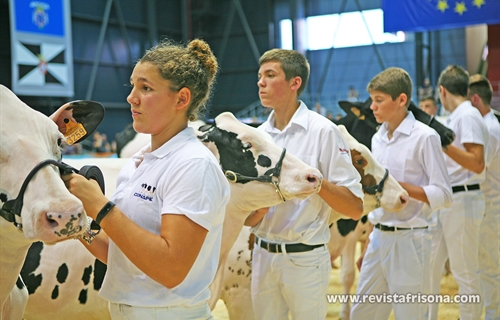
(13, 207)
(377, 189)
(271, 176)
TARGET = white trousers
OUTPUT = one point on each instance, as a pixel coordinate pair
(489, 266)
(396, 262)
(456, 236)
(290, 282)
(120, 311)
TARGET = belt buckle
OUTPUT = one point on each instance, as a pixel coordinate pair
(268, 246)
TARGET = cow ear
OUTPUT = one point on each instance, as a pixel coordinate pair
(78, 119)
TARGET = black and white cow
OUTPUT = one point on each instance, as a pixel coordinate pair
(67, 288)
(35, 204)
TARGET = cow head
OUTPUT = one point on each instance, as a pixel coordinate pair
(363, 112)
(247, 155)
(43, 208)
(380, 188)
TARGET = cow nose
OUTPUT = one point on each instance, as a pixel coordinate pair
(404, 200)
(64, 225)
(314, 180)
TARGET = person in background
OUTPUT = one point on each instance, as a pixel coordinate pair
(429, 106)
(161, 241)
(320, 109)
(291, 262)
(456, 234)
(426, 90)
(329, 116)
(480, 95)
(398, 257)
(352, 94)
(100, 143)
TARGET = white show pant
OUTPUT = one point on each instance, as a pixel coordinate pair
(290, 282)
(489, 266)
(456, 236)
(395, 262)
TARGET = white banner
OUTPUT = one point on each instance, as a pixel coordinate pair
(42, 56)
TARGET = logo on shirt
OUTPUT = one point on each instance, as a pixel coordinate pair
(342, 150)
(146, 193)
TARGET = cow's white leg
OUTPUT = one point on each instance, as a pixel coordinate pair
(347, 272)
(236, 291)
(336, 244)
(233, 223)
(14, 305)
(238, 303)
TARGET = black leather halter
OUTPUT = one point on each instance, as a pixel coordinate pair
(12, 208)
(377, 189)
(272, 176)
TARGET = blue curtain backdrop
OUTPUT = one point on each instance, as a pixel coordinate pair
(425, 15)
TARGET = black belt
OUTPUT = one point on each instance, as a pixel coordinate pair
(389, 228)
(469, 187)
(291, 247)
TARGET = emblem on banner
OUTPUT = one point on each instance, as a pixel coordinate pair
(40, 16)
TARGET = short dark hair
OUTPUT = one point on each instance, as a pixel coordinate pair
(292, 62)
(430, 98)
(481, 86)
(455, 79)
(393, 81)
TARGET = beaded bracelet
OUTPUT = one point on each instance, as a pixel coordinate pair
(104, 211)
(89, 234)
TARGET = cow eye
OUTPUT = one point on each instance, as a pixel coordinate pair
(360, 161)
(247, 145)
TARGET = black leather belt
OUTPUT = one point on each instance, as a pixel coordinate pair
(389, 228)
(291, 247)
(465, 188)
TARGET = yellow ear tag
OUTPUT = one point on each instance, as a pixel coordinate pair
(74, 131)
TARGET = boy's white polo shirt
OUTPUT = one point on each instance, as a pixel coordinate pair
(469, 127)
(319, 143)
(180, 177)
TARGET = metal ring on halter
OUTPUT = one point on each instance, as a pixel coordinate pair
(231, 176)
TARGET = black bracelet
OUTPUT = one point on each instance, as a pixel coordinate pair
(104, 211)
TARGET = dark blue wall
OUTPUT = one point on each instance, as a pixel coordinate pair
(236, 85)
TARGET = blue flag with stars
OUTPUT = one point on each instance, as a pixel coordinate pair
(426, 15)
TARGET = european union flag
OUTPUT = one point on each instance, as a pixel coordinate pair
(425, 15)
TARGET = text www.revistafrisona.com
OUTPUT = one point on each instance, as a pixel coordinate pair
(403, 298)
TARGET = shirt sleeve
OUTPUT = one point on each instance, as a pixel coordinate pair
(336, 163)
(197, 190)
(438, 190)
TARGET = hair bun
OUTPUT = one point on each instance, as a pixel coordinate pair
(202, 51)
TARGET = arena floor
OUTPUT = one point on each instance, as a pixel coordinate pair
(446, 311)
